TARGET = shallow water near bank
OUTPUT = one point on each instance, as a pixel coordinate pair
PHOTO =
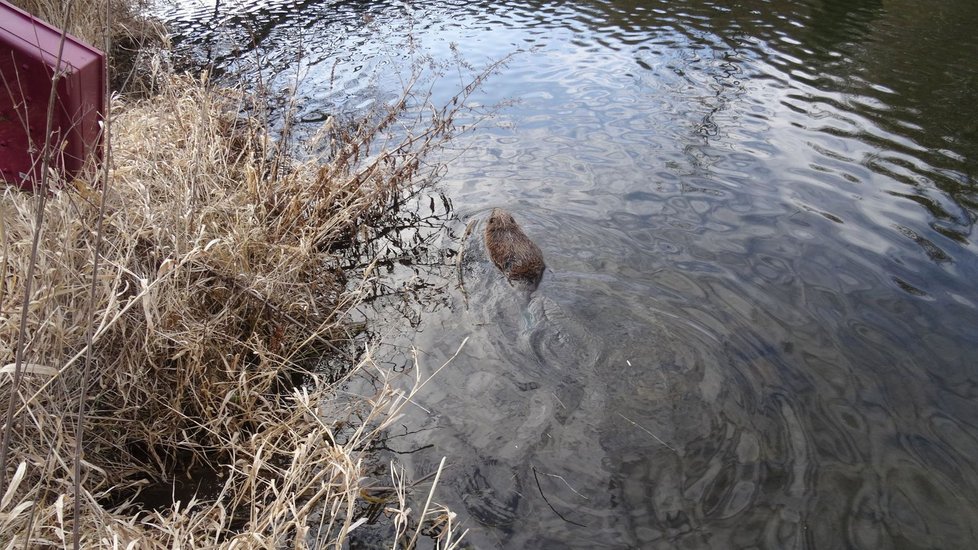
(758, 323)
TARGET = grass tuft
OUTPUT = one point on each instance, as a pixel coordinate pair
(132, 38)
(220, 288)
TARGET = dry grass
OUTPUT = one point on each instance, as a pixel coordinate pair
(219, 284)
(131, 39)
(86, 18)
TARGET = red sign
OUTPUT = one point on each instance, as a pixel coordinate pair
(29, 59)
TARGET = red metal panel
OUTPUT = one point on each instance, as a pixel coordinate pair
(28, 59)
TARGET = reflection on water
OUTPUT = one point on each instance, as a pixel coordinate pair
(758, 325)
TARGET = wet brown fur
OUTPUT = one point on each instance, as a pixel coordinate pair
(512, 251)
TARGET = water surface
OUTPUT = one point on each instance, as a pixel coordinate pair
(758, 323)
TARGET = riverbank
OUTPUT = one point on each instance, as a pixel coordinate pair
(208, 420)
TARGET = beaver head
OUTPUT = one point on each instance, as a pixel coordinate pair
(500, 220)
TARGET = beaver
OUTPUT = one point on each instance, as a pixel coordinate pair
(512, 251)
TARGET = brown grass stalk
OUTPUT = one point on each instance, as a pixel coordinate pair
(105, 184)
(46, 157)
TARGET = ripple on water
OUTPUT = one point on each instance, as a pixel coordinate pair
(758, 324)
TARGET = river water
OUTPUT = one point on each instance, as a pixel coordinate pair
(758, 324)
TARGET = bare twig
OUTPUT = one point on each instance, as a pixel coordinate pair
(545, 499)
(41, 192)
(458, 261)
(96, 259)
(633, 423)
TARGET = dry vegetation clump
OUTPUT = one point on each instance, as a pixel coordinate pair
(133, 39)
(218, 291)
